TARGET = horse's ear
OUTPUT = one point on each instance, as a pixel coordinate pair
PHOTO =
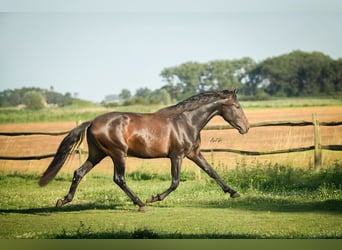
(232, 94)
(230, 98)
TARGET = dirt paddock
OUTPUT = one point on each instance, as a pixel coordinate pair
(258, 139)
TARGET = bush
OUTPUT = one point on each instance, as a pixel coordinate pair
(33, 100)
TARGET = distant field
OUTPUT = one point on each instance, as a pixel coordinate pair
(293, 102)
(15, 115)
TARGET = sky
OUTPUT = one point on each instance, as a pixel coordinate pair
(98, 48)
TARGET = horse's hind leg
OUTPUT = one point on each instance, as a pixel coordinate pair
(94, 157)
(78, 175)
(119, 179)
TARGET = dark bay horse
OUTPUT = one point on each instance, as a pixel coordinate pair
(172, 132)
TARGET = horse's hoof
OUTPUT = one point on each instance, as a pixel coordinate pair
(59, 203)
(153, 198)
(150, 199)
(142, 209)
(234, 195)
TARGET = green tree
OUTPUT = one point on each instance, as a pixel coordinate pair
(125, 94)
(190, 78)
(143, 92)
(66, 100)
(33, 100)
(295, 74)
(337, 78)
(160, 96)
(185, 80)
(16, 96)
(228, 74)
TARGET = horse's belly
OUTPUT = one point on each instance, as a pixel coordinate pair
(148, 146)
(146, 151)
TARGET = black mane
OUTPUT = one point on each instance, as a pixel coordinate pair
(198, 100)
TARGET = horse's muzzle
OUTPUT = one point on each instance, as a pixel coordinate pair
(243, 130)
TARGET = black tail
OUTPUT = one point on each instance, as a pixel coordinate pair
(69, 143)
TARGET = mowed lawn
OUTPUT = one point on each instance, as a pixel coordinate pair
(197, 209)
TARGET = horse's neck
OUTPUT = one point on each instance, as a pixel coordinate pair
(201, 116)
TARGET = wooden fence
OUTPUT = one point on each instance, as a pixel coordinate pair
(317, 147)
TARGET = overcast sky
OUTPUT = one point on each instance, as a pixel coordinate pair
(97, 48)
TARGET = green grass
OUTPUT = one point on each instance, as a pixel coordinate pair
(81, 112)
(74, 113)
(276, 202)
(12, 115)
(292, 102)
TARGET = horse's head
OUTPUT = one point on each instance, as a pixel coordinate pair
(232, 112)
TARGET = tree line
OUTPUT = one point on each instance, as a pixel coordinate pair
(296, 74)
(34, 98)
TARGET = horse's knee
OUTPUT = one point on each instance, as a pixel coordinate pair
(82, 171)
(119, 180)
(68, 198)
(77, 176)
(174, 184)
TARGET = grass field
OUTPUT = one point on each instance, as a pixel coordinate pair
(277, 202)
(282, 195)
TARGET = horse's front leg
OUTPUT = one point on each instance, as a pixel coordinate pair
(176, 163)
(198, 158)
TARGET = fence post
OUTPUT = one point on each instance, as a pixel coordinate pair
(317, 142)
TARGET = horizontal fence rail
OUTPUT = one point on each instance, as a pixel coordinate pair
(280, 151)
(216, 127)
(34, 133)
(23, 158)
(275, 124)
